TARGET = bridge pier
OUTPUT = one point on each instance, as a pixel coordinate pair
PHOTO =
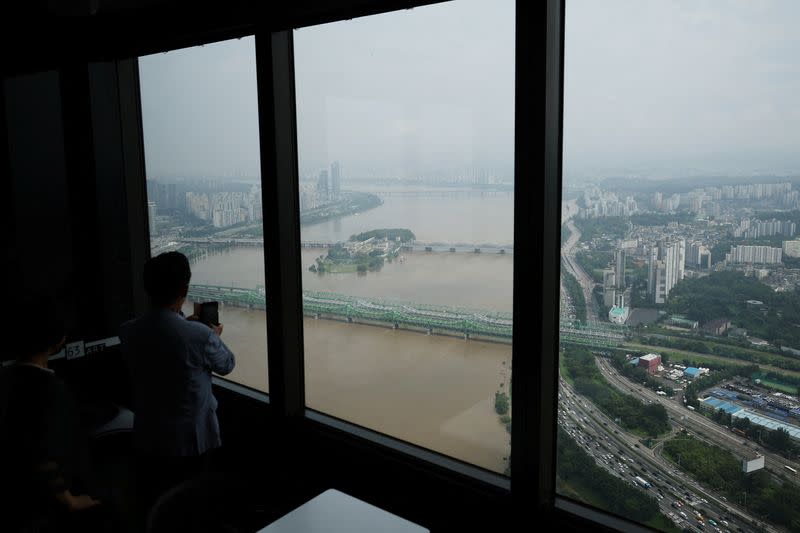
(395, 326)
(466, 336)
(316, 316)
(349, 319)
(429, 331)
(477, 250)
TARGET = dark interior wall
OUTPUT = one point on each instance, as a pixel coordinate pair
(41, 238)
(70, 233)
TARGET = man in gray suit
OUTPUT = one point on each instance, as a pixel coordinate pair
(171, 360)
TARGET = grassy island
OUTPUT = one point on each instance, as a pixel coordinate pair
(363, 252)
(392, 234)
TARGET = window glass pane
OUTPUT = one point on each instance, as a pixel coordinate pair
(200, 122)
(680, 307)
(405, 143)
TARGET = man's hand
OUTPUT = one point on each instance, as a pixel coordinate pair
(217, 329)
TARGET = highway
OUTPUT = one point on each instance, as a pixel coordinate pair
(601, 436)
(696, 422)
(568, 257)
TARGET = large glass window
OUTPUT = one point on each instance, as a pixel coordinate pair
(405, 147)
(678, 404)
(200, 122)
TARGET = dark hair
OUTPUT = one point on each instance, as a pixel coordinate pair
(37, 324)
(166, 277)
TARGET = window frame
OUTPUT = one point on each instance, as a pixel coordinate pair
(537, 214)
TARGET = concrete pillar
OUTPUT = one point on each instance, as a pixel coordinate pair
(429, 331)
(466, 336)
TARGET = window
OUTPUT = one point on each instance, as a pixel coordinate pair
(200, 123)
(680, 275)
(405, 152)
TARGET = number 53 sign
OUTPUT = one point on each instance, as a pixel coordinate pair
(74, 350)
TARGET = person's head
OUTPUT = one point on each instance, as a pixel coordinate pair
(37, 328)
(166, 279)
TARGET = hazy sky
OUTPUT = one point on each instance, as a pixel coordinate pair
(409, 92)
(681, 87)
(653, 88)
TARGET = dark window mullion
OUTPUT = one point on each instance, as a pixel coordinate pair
(551, 234)
(132, 138)
(278, 142)
(537, 204)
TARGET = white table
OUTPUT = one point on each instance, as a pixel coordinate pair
(336, 512)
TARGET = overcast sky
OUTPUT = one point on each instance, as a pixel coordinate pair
(395, 95)
(663, 88)
(653, 88)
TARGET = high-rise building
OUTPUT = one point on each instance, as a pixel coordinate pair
(336, 181)
(151, 216)
(792, 248)
(698, 255)
(666, 268)
(323, 188)
(609, 288)
(765, 255)
(619, 268)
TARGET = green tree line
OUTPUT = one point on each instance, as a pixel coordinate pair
(648, 419)
(724, 295)
(719, 469)
(576, 294)
(405, 235)
(613, 227)
(594, 262)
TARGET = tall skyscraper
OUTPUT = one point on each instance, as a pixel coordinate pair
(698, 255)
(666, 268)
(619, 268)
(323, 189)
(336, 181)
(151, 216)
(609, 288)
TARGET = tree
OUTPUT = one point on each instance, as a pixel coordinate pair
(501, 403)
(778, 439)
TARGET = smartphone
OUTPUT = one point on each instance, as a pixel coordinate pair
(209, 313)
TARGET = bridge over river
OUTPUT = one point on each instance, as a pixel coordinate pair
(406, 315)
(415, 246)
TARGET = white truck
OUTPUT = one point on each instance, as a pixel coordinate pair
(643, 482)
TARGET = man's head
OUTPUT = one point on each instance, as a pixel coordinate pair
(166, 279)
(37, 328)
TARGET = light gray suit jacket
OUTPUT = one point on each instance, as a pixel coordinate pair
(171, 361)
